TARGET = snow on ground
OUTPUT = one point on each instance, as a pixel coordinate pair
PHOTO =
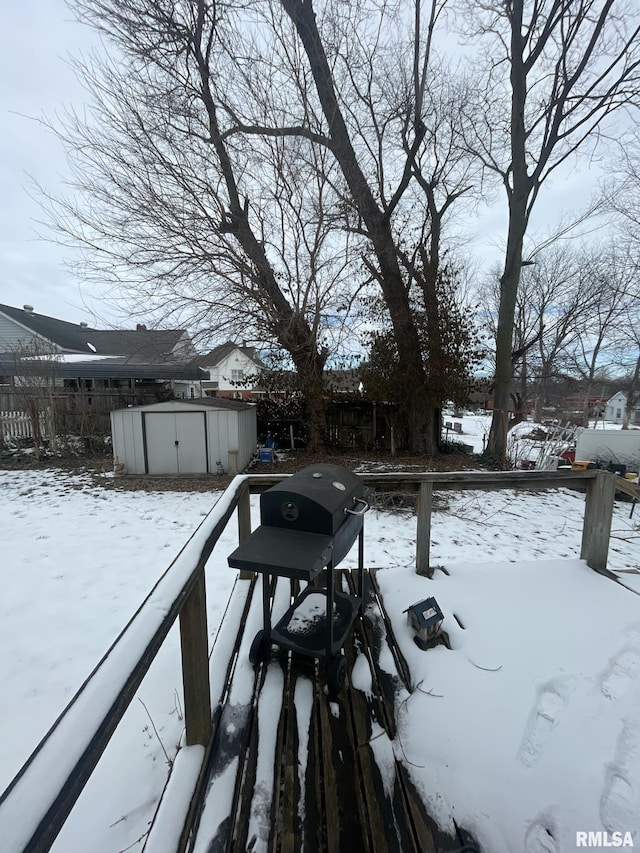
(77, 562)
(525, 732)
(530, 726)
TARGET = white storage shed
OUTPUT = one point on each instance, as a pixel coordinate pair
(185, 437)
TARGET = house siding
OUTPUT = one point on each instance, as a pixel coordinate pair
(615, 409)
(222, 372)
(14, 337)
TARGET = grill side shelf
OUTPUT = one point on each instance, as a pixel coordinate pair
(286, 553)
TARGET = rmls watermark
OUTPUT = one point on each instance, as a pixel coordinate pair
(604, 839)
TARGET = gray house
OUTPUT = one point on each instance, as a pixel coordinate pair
(77, 356)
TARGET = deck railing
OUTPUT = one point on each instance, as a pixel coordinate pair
(38, 801)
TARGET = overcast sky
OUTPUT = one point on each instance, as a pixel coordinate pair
(36, 38)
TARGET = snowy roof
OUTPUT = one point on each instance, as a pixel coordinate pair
(141, 344)
(98, 367)
(197, 403)
(220, 352)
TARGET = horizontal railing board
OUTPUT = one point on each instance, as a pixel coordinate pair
(482, 480)
(628, 487)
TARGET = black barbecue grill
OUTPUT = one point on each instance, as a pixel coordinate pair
(309, 521)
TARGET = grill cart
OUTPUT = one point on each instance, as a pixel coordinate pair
(309, 521)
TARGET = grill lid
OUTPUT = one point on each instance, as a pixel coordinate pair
(314, 499)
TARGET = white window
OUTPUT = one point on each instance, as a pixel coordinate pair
(237, 376)
(618, 414)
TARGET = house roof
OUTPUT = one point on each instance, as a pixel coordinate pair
(136, 345)
(221, 352)
(140, 345)
(99, 368)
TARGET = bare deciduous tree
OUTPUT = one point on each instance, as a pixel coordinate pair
(185, 216)
(555, 73)
(34, 384)
(259, 163)
(607, 273)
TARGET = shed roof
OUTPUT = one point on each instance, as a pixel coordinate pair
(198, 403)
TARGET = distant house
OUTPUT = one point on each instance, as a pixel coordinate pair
(234, 372)
(615, 408)
(77, 356)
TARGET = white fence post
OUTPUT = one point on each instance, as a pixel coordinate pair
(16, 425)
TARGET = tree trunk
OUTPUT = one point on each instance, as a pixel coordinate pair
(34, 417)
(316, 416)
(632, 396)
(585, 409)
(378, 226)
(510, 281)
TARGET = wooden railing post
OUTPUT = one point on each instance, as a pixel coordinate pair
(244, 521)
(195, 665)
(598, 514)
(423, 531)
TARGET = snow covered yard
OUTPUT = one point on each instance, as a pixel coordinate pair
(527, 731)
(77, 562)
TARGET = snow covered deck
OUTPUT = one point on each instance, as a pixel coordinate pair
(522, 709)
(292, 770)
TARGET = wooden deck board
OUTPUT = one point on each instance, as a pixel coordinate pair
(341, 800)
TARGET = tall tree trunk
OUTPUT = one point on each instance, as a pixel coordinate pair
(378, 227)
(310, 372)
(509, 283)
(293, 332)
(632, 396)
(518, 195)
(585, 407)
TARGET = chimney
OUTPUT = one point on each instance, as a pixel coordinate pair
(28, 309)
(84, 325)
(140, 327)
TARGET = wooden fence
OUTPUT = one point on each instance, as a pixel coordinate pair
(36, 804)
(82, 412)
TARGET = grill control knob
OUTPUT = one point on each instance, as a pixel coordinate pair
(289, 511)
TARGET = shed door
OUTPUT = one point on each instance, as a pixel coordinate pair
(176, 442)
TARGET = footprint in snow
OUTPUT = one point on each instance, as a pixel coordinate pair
(623, 668)
(620, 800)
(540, 836)
(619, 803)
(544, 716)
